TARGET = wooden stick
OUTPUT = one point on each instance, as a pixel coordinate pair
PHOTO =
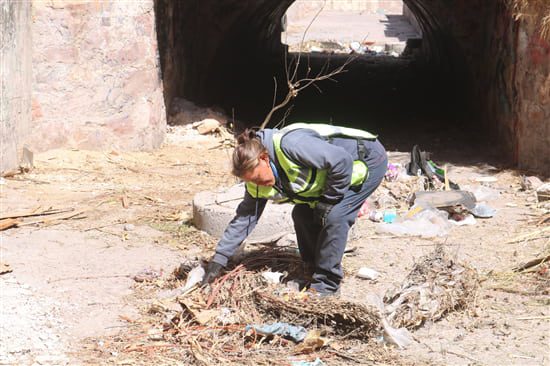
(7, 223)
(52, 218)
(532, 263)
(35, 212)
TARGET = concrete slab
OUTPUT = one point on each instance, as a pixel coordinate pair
(212, 212)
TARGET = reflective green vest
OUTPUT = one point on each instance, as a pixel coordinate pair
(304, 184)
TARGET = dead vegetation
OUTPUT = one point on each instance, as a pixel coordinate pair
(539, 10)
(214, 324)
(436, 286)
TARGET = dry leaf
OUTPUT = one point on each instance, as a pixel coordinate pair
(312, 342)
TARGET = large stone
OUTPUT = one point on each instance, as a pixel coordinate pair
(212, 212)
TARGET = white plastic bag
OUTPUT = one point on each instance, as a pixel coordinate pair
(401, 337)
(421, 220)
(195, 276)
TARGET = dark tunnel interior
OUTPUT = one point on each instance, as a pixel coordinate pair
(228, 53)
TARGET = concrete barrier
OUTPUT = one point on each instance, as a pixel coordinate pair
(212, 211)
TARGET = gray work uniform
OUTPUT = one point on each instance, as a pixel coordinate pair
(322, 247)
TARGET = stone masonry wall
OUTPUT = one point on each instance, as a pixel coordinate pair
(531, 81)
(96, 77)
(15, 71)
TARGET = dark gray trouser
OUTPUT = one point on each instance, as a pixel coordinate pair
(324, 246)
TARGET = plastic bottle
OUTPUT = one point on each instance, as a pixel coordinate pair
(376, 216)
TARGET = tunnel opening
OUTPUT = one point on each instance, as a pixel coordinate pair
(230, 55)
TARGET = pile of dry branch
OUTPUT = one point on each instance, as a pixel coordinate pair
(436, 286)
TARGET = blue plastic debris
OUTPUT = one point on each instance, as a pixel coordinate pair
(293, 332)
(317, 362)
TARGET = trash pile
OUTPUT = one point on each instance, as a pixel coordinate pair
(248, 316)
(419, 199)
(256, 314)
(435, 286)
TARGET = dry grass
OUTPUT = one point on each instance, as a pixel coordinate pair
(538, 10)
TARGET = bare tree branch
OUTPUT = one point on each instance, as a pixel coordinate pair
(296, 85)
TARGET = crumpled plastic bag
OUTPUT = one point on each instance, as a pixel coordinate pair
(293, 332)
(400, 337)
(483, 211)
(422, 221)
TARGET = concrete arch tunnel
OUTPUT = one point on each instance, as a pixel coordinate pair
(227, 54)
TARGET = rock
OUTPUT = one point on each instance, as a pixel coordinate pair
(530, 183)
(368, 273)
(543, 192)
(208, 125)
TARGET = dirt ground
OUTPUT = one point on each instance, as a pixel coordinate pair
(71, 295)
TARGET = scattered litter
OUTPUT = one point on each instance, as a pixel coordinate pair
(483, 211)
(422, 221)
(272, 277)
(194, 277)
(445, 198)
(368, 273)
(399, 337)
(5, 268)
(389, 215)
(317, 362)
(292, 332)
(393, 172)
(468, 220)
(435, 286)
(2, 181)
(376, 216)
(483, 193)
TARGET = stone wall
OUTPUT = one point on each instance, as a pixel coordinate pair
(504, 65)
(96, 76)
(15, 71)
(528, 84)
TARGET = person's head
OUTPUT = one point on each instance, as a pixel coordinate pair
(251, 160)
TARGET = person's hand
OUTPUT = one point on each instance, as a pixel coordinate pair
(212, 272)
(321, 211)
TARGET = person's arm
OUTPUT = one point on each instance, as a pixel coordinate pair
(308, 148)
(247, 215)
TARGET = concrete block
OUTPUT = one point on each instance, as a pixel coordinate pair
(212, 211)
